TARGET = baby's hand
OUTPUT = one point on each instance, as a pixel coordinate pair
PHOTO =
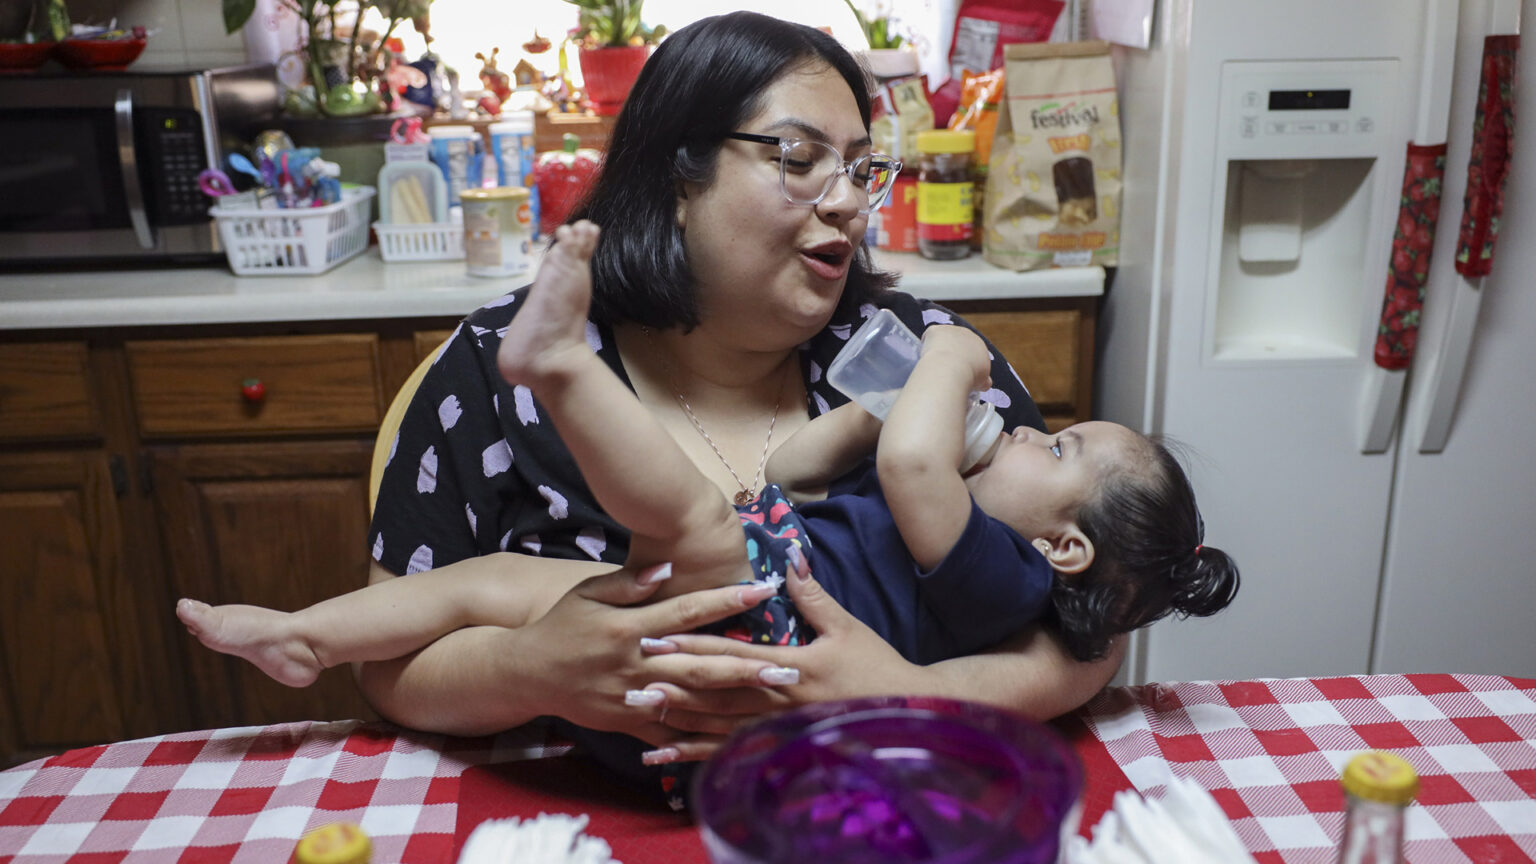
(964, 346)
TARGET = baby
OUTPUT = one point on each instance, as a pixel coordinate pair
(1093, 531)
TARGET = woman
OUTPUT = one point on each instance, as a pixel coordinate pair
(723, 285)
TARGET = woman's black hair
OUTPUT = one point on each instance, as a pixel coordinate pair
(1149, 558)
(701, 83)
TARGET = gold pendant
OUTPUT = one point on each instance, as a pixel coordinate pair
(744, 497)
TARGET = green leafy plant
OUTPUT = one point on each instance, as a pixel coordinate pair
(613, 23)
(353, 60)
(877, 29)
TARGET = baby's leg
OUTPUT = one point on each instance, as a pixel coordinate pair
(635, 470)
(382, 621)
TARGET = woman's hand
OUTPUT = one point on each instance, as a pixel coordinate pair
(846, 660)
(584, 656)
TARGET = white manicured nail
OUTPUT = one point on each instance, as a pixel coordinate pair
(775, 676)
(660, 757)
(756, 593)
(644, 698)
(657, 646)
(659, 573)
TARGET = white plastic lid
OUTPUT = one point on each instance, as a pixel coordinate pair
(982, 426)
(514, 122)
(452, 132)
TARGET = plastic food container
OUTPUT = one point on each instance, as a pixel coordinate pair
(894, 780)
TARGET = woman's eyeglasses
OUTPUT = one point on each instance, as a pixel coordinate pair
(807, 170)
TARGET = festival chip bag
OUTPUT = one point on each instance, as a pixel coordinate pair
(1053, 186)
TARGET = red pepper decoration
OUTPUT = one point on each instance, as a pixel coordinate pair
(563, 178)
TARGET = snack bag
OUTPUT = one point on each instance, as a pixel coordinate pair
(900, 111)
(980, 95)
(982, 29)
(1053, 188)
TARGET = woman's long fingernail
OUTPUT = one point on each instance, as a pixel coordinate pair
(775, 676)
(661, 756)
(755, 593)
(657, 646)
(644, 698)
(652, 575)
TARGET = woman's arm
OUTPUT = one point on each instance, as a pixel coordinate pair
(576, 660)
(1030, 673)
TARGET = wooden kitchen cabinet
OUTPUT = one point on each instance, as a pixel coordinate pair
(77, 666)
(281, 524)
(1050, 344)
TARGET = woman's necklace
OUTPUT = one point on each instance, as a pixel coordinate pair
(747, 493)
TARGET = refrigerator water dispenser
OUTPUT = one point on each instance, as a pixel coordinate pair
(1298, 145)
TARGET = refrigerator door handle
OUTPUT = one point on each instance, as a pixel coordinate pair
(1449, 365)
(1448, 369)
(1383, 391)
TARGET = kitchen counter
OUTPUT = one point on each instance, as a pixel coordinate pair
(367, 288)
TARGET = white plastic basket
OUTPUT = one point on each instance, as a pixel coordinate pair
(297, 241)
(436, 241)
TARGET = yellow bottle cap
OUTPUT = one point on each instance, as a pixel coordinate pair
(1378, 776)
(946, 141)
(337, 843)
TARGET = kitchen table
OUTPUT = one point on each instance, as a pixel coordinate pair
(1269, 751)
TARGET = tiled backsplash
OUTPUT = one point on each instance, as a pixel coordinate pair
(186, 33)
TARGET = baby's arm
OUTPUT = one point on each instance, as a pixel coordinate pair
(822, 451)
(923, 441)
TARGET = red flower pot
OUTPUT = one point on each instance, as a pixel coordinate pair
(609, 73)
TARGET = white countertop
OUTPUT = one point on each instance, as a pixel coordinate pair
(366, 287)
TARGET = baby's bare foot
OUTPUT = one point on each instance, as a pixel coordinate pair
(553, 317)
(255, 634)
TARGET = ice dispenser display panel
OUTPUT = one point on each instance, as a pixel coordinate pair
(1300, 147)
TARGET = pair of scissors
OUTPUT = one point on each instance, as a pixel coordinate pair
(215, 183)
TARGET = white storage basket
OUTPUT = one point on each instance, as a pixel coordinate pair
(299, 241)
(436, 241)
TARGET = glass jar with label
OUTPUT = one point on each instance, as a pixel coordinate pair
(945, 206)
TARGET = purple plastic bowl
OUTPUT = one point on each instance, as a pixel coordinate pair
(895, 780)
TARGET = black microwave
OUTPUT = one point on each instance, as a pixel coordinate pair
(101, 169)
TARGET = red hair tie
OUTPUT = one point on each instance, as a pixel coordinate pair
(1198, 547)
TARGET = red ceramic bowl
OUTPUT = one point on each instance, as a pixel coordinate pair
(23, 56)
(104, 54)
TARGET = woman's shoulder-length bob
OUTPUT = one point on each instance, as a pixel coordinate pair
(701, 83)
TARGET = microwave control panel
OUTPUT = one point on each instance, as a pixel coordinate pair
(171, 146)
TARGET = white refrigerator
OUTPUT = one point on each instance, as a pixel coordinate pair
(1384, 520)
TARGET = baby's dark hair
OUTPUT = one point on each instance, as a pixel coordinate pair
(1149, 558)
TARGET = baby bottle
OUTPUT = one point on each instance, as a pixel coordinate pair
(875, 364)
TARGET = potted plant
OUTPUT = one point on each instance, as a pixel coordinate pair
(341, 66)
(889, 54)
(613, 44)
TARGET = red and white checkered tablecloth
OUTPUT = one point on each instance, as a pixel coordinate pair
(1270, 753)
(246, 795)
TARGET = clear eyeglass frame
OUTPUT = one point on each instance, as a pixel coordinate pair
(879, 170)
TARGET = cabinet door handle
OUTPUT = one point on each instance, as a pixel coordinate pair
(253, 390)
(118, 468)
